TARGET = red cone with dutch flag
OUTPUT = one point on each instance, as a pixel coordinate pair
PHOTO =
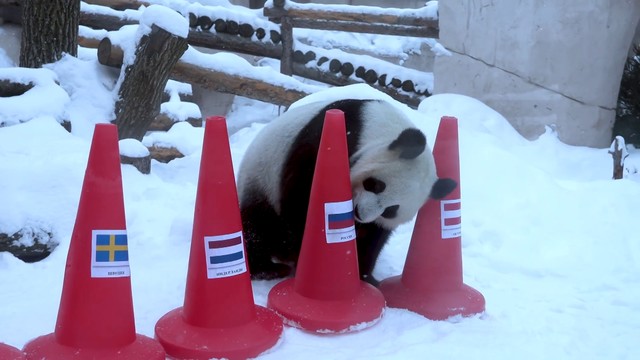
(327, 294)
(95, 318)
(431, 282)
(219, 318)
(8, 352)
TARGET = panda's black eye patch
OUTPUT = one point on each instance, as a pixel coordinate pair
(374, 185)
(390, 212)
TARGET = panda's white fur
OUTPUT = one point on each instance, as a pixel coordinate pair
(408, 182)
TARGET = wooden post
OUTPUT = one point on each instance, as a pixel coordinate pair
(286, 61)
(618, 151)
(144, 81)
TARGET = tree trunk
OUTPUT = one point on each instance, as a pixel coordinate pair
(144, 81)
(49, 29)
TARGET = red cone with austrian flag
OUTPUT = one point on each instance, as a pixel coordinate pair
(95, 319)
(8, 352)
(327, 294)
(219, 318)
(431, 282)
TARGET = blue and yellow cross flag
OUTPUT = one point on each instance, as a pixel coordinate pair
(109, 254)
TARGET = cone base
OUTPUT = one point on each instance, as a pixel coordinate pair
(47, 347)
(327, 316)
(10, 353)
(184, 341)
(433, 304)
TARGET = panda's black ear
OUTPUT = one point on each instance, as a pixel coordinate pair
(442, 188)
(410, 143)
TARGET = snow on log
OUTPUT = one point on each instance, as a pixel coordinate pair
(618, 151)
(216, 80)
(28, 244)
(132, 152)
(365, 19)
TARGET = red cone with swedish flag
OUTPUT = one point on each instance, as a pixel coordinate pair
(95, 318)
(431, 281)
(219, 318)
(8, 352)
(327, 294)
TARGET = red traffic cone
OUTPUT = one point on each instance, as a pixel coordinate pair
(95, 319)
(10, 353)
(219, 318)
(327, 294)
(431, 282)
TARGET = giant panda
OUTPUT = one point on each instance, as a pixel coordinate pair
(392, 174)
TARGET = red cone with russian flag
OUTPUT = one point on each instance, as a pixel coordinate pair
(327, 294)
(431, 282)
(8, 352)
(95, 318)
(219, 318)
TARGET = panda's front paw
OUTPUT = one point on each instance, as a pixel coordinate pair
(271, 271)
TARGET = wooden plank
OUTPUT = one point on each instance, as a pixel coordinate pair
(331, 15)
(370, 28)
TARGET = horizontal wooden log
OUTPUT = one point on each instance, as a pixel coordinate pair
(164, 154)
(235, 84)
(330, 14)
(339, 80)
(42, 244)
(368, 28)
(206, 39)
(88, 42)
(226, 42)
(222, 82)
(163, 122)
(143, 164)
(119, 4)
(102, 21)
(9, 88)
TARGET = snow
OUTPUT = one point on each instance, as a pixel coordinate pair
(132, 148)
(429, 11)
(548, 238)
(44, 97)
(167, 19)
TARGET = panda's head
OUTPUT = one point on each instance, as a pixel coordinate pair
(391, 180)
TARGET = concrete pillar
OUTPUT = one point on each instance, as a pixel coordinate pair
(540, 62)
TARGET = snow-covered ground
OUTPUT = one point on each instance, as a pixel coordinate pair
(549, 239)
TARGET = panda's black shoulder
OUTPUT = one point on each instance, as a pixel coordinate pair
(353, 110)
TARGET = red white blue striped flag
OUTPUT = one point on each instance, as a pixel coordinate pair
(225, 255)
(451, 218)
(339, 222)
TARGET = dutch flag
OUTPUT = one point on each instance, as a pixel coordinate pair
(225, 255)
(451, 218)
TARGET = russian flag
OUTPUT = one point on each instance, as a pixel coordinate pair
(339, 223)
(341, 220)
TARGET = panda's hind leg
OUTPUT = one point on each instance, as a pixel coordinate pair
(264, 233)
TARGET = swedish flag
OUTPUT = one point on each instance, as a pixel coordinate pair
(111, 248)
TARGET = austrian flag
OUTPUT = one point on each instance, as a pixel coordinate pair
(225, 255)
(451, 218)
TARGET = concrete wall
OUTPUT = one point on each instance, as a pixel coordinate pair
(540, 62)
